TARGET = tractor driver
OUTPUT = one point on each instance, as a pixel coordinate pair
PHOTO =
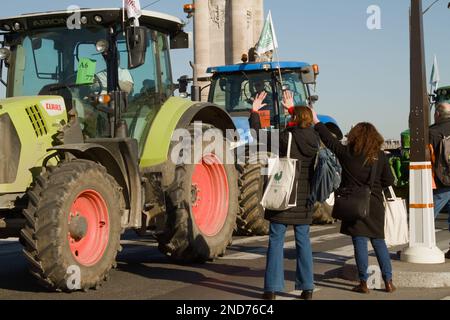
(126, 82)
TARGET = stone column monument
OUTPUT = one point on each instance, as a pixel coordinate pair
(223, 31)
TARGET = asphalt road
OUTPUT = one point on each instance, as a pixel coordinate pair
(143, 273)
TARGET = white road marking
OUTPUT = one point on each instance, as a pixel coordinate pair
(139, 243)
(446, 298)
(341, 254)
(260, 252)
(8, 241)
(289, 233)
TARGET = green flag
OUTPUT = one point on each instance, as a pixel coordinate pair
(268, 40)
(435, 77)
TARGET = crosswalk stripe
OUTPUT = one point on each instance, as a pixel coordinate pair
(260, 252)
(289, 233)
(8, 241)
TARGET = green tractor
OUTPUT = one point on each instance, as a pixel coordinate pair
(89, 146)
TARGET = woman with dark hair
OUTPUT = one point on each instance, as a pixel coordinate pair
(357, 158)
(305, 144)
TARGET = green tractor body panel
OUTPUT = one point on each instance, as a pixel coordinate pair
(157, 143)
(28, 126)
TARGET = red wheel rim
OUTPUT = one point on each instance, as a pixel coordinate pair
(210, 195)
(88, 227)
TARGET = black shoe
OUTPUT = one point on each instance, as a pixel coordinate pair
(307, 295)
(269, 296)
(447, 255)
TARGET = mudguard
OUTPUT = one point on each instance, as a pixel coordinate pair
(174, 114)
(119, 157)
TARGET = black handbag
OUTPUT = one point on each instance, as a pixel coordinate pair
(353, 203)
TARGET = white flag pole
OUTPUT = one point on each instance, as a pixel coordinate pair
(123, 16)
(275, 47)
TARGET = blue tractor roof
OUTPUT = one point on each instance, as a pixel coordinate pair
(266, 66)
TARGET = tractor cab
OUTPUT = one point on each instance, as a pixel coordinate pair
(442, 95)
(85, 62)
(235, 87)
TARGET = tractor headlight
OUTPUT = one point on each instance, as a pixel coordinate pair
(17, 26)
(98, 19)
(4, 53)
(9, 150)
(102, 46)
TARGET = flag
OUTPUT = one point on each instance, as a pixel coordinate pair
(133, 8)
(435, 78)
(268, 40)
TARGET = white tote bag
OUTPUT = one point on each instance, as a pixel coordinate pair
(281, 183)
(396, 221)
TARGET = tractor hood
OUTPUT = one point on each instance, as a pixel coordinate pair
(27, 129)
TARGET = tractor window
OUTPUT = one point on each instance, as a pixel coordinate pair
(37, 64)
(236, 93)
(146, 96)
(293, 83)
(166, 70)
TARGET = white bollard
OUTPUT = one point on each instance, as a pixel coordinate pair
(422, 244)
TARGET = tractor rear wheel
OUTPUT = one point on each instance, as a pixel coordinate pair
(73, 226)
(250, 220)
(202, 204)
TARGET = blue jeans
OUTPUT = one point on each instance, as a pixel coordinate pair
(274, 278)
(362, 257)
(442, 200)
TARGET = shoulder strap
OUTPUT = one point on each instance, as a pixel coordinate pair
(289, 145)
(373, 175)
(373, 171)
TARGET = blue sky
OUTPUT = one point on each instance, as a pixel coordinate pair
(364, 74)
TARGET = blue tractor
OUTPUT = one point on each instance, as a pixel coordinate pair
(233, 88)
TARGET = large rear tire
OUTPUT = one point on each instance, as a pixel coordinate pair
(73, 223)
(202, 205)
(250, 220)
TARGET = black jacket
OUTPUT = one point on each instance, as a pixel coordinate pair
(305, 144)
(437, 133)
(373, 226)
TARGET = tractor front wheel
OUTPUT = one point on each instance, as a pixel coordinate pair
(73, 228)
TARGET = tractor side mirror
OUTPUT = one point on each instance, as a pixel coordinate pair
(313, 99)
(136, 45)
(36, 43)
(308, 75)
